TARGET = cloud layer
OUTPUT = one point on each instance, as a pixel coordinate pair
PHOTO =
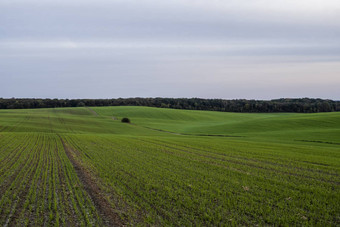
(178, 48)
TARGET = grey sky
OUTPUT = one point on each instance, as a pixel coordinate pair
(258, 49)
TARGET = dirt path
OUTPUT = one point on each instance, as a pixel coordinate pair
(186, 134)
(92, 111)
(160, 130)
(104, 208)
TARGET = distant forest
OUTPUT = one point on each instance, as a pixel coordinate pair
(303, 105)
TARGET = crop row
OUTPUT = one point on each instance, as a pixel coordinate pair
(182, 182)
(39, 185)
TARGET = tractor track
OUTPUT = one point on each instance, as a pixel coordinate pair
(104, 208)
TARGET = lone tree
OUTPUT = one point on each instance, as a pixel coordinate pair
(126, 120)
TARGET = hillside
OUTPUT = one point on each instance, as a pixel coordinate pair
(279, 126)
(83, 166)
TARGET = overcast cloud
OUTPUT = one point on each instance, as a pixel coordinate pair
(259, 49)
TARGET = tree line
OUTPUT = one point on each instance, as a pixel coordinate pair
(301, 105)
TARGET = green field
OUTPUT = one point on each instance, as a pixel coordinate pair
(82, 166)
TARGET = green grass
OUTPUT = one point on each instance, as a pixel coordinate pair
(269, 126)
(170, 167)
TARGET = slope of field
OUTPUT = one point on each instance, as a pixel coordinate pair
(82, 166)
(273, 126)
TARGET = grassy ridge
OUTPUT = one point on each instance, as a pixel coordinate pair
(280, 126)
(274, 169)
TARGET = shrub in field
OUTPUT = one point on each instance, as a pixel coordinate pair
(126, 120)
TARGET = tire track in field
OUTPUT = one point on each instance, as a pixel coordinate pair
(186, 134)
(65, 207)
(92, 111)
(107, 213)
